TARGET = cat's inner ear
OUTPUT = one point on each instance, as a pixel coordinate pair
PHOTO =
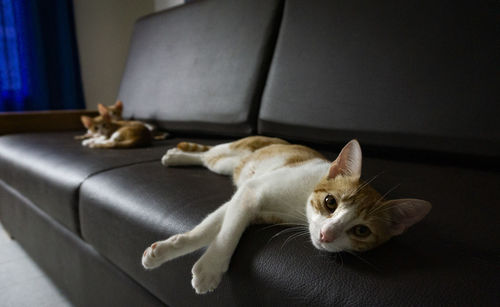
(119, 104)
(86, 121)
(348, 163)
(406, 212)
(102, 109)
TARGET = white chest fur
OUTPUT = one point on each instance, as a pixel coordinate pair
(284, 189)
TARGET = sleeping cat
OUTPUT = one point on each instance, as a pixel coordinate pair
(110, 133)
(114, 111)
(278, 182)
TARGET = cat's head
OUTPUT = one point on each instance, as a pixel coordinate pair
(346, 214)
(100, 125)
(114, 111)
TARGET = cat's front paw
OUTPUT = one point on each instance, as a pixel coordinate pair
(150, 259)
(163, 251)
(206, 276)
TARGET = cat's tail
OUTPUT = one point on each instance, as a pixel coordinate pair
(192, 147)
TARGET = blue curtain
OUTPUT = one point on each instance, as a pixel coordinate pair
(39, 68)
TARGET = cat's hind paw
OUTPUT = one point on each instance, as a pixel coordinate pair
(206, 278)
(172, 157)
(175, 156)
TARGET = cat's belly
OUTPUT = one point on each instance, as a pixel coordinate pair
(271, 158)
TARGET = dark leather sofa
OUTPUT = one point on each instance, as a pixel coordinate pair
(415, 81)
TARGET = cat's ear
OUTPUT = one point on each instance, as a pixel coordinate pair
(348, 163)
(86, 121)
(119, 105)
(406, 212)
(102, 109)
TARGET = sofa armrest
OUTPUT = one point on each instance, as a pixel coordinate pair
(39, 121)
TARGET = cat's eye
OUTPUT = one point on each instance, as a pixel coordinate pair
(330, 203)
(361, 231)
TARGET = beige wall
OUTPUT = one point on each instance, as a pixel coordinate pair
(103, 29)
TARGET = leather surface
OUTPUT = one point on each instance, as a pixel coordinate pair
(406, 74)
(450, 258)
(201, 67)
(86, 278)
(48, 168)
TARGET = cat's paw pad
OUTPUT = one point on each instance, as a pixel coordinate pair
(171, 157)
(150, 259)
(206, 277)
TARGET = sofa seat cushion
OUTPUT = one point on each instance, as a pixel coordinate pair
(48, 168)
(450, 258)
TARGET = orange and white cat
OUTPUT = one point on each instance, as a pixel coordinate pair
(278, 182)
(114, 111)
(110, 133)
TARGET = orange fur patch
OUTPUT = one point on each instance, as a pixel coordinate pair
(192, 147)
(253, 143)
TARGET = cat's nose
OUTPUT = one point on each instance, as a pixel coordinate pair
(325, 237)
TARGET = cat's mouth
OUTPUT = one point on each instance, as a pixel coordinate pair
(329, 247)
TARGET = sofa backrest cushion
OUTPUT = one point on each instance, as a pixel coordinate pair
(200, 67)
(418, 74)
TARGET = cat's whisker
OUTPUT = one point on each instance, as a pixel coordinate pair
(291, 229)
(293, 236)
(375, 208)
(382, 209)
(384, 219)
(296, 214)
(367, 183)
(283, 224)
(341, 259)
(387, 193)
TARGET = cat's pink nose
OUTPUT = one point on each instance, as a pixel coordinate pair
(325, 237)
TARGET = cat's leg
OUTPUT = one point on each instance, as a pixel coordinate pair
(87, 135)
(222, 159)
(208, 270)
(185, 243)
(93, 140)
(103, 142)
(102, 145)
(175, 157)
